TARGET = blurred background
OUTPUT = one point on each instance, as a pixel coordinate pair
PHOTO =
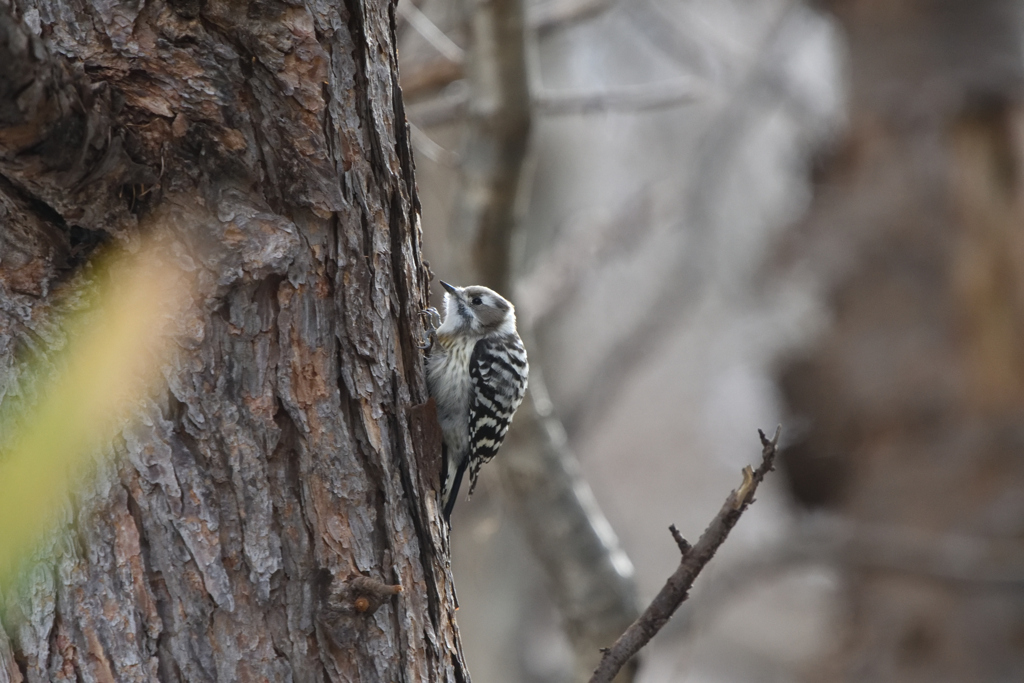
(716, 216)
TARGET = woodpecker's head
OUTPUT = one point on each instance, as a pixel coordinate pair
(477, 310)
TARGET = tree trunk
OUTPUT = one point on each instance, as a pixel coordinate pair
(915, 390)
(268, 501)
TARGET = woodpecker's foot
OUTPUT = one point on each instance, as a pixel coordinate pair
(429, 337)
(433, 318)
(431, 321)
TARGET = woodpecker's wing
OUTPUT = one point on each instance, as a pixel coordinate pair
(498, 371)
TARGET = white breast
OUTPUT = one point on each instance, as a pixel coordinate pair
(449, 383)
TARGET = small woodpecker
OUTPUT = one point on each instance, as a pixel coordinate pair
(476, 372)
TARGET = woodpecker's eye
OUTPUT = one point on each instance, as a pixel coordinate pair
(477, 301)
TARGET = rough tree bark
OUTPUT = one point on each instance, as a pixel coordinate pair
(915, 391)
(268, 497)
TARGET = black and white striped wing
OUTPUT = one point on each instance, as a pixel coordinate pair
(498, 370)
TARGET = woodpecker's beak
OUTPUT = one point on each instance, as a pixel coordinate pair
(454, 291)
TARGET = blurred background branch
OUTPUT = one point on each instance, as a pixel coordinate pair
(551, 15)
(496, 139)
(484, 106)
(590, 575)
(695, 270)
(623, 98)
(726, 208)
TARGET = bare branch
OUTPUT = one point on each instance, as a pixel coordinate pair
(695, 264)
(690, 41)
(430, 149)
(678, 586)
(433, 75)
(958, 557)
(557, 14)
(586, 242)
(684, 545)
(437, 38)
(944, 556)
(448, 108)
(498, 131)
(830, 540)
(622, 98)
(591, 576)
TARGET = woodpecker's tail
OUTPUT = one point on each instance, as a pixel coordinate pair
(450, 487)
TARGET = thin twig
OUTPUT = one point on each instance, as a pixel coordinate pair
(556, 14)
(424, 78)
(591, 577)
(497, 133)
(426, 146)
(437, 38)
(829, 540)
(694, 271)
(449, 108)
(678, 586)
(585, 243)
(685, 38)
(684, 545)
(622, 98)
(590, 574)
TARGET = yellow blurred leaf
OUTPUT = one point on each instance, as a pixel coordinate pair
(113, 360)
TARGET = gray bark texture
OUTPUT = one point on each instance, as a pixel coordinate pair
(268, 502)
